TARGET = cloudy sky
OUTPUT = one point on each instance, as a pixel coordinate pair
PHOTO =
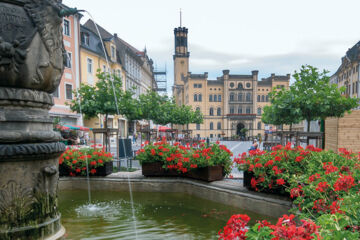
(272, 36)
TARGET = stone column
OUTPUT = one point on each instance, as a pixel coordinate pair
(31, 65)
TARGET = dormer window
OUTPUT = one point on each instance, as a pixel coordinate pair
(112, 52)
(85, 38)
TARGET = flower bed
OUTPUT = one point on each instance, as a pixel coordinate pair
(324, 187)
(202, 162)
(73, 162)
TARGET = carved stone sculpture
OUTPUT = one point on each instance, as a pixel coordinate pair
(31, 66)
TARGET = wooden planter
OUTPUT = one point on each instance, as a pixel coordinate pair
(105, 170)
(209, 174)
(155, 169)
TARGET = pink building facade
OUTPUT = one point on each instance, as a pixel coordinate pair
(71, 77)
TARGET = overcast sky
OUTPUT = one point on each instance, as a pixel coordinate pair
(272, 36)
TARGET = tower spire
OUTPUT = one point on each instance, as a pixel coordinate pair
(180, 17)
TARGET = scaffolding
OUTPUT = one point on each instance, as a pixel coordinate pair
(160, 79)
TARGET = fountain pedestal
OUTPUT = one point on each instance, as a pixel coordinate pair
(31, 65)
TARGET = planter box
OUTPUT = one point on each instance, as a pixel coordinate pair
(155, 169)
(105, 170)
(209, 174)
(277, 191)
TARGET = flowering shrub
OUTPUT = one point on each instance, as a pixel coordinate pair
(323, 185)
(185, 158)
(75, 159)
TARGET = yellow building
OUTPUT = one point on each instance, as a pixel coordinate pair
(229, 104)
(92, 58)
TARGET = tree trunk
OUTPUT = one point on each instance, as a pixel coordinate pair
(308, 130)
(106, 134)
(322, 129)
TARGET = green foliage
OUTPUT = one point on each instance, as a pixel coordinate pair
(311, 97)
(257, 232)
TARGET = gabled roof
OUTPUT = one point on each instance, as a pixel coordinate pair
(95, 45)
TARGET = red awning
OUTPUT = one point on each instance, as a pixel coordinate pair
(163, 128)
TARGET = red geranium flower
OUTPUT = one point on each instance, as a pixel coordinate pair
(280, 181)
(93, 171)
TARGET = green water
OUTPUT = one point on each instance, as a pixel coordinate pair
(158, 216)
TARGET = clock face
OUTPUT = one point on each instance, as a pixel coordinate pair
(240, 86)
(248, 85)
(232, 85)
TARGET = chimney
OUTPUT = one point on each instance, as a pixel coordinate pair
(288, 75)
(226, 72)
(206, 74)
(272, 75)
(115, 35)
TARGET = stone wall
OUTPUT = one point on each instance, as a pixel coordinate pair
(343, 132)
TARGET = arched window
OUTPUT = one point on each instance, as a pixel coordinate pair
(259, 111)
(215, 98)
(211, 111)
(263, 98)
(197, 126)
(195, 98)
(219, 125)
(258, 98)
(267, 98)
(231, 97)
(259, 126)
(210, 98)
(219, 111)
(200, 97)
(211, 126)
(240, 97)
(240, 86)
(239, 110)
(248, 111)
(248, 97)
(219, 98)
(232, 110)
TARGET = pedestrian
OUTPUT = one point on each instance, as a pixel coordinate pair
(254, 146)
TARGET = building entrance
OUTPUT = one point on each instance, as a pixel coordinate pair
(238, 129)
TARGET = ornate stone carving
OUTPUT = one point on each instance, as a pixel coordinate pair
(10, 150)
(21, 96)
(31, 47)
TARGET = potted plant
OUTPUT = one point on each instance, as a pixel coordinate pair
(74, 162)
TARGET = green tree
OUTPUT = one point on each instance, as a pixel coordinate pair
(316, 98)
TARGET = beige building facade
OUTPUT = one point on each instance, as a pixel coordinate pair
(229, 104)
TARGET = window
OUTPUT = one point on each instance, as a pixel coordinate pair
(219, 98)
(248, 85)
(248, 110)
(104, 68)
(195, 98)
(211, 135)
(239, 110)
(211, 111)
(232, 110)
(66, 27)
(195, 85)
(68, 59)
(68, 91)
(215, 98)
(198, 109)
(118, 73)
(218, 111)
(197, 126)
(210, 98)
(248, 97)
(259, 111)
(231, 97)
(263, 98)
(240, 97)
(258, 98)
(89, 65)
(259, 126)
(56, 92)
(200, 97)
(112, 52)
(240, 86)
(219, 125)
(232, 85)
(267, 98)
(199, 85)
(85, 39)
(211, 126)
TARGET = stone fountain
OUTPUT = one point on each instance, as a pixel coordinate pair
(31, 65)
